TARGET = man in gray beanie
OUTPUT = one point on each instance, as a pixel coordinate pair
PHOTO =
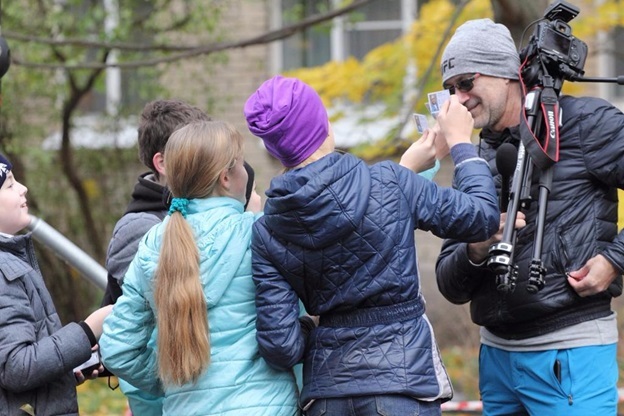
(550, 352)
(484, 44)
(482, 48)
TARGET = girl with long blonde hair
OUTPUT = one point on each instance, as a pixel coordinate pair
(185, 325)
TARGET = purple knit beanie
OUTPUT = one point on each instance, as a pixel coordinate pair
(5, 168)
(289, 116)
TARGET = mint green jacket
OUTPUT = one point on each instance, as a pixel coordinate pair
(237, 381)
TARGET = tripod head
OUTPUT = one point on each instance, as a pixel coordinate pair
(552, 50)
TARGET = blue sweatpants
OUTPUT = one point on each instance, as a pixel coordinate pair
(572, 382)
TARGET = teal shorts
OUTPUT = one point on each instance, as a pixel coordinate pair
(572, 382)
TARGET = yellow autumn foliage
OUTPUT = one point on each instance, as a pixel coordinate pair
(379, 77)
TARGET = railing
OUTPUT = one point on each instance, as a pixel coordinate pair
(465, 407)
(68, 251)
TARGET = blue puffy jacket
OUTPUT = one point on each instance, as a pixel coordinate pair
(340, 235)
(237, 381)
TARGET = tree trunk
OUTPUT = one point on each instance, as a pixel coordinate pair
(518, 15)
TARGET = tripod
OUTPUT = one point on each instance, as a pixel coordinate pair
(542, 118)
(501, 254)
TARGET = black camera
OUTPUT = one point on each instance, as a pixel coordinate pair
(553, 49)
(89, 366)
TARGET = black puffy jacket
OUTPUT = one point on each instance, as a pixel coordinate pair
(581, 222)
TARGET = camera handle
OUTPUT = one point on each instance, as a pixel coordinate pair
(614, 80)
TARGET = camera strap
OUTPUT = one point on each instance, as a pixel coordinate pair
(544, 151)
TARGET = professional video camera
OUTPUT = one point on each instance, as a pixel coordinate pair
(552, 49)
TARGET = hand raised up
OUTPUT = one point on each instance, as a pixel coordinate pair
(421, 155)
(455, 121)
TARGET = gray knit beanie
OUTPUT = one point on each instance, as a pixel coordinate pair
(481, 46)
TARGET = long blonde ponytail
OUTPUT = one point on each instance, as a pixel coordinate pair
(195, 155)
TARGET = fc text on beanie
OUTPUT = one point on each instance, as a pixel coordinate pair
(289, 117)
(481, 46)
(5, 168)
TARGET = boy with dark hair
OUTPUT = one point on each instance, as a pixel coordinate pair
(147, 207)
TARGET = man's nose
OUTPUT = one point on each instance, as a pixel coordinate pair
(462, 97)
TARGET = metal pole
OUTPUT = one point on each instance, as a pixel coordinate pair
(68, 251)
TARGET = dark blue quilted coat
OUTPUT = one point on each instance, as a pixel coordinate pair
(340, 235)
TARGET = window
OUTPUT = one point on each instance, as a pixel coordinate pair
(311, 47)
(122, 87)
(353, 35)
(610, 64)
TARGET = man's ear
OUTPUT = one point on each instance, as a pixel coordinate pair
(159, 164)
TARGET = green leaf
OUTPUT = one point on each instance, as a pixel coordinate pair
(28, 409)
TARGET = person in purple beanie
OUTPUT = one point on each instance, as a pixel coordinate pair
(338, 235)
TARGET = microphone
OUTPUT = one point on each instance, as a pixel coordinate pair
(506, 160)
(5, 56)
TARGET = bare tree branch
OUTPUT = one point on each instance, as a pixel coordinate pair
(66, 154)
(432, 64)
(85, 43)
(517, 15)
(187, 51)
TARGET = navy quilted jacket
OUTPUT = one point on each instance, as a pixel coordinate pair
(339, 235)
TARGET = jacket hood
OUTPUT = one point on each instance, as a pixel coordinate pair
(16, 242)
(147, 195)
(15, 260)
(320, 203)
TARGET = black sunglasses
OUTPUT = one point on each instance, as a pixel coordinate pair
(464, 85)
